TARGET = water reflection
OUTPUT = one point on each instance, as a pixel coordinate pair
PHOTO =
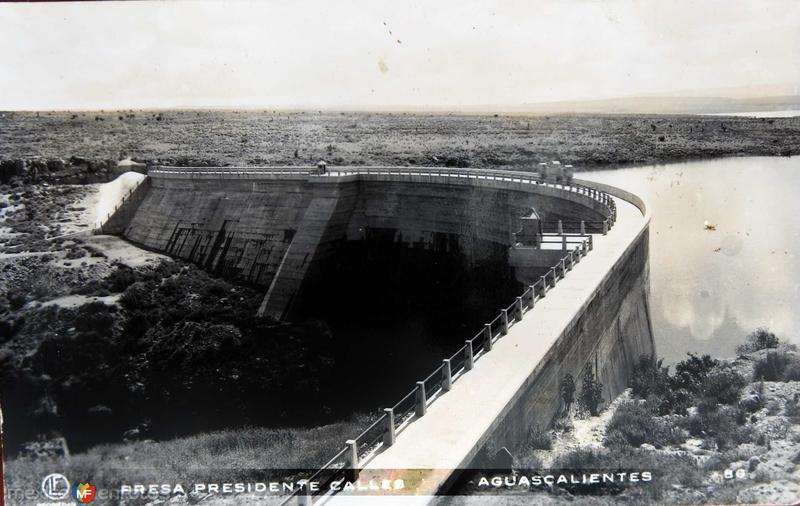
(723, 256)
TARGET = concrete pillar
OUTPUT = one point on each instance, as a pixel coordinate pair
(583, 227)
(532, 302)
(422, 400)
(447, 375)
(352, 459)
(555, 276)
(469, 359)
(563, 267)
(560, 228)
(389, 435)
(543, 279)
(571, 262)
(519, 309)
(504, 321)
(487, 335)
(563, 243)
(605, 227)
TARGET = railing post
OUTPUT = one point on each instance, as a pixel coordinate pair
(422, 400)
(571, 261)
(555, 276)
(605, 226)
(352, 459)
(563, 267)
(583, 227)
(487, 333)
(469, 359)
(519, 309)
(504, 321)
(447, 375)
(543, 279)
(560, 227)
(304, 497)
(563, 243)
(532, 302)
(389, 435)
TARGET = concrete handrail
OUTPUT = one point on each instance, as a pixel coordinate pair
(383, 431)
(589, 191)
(99, 228)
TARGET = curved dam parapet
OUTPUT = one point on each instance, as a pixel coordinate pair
(275, 226)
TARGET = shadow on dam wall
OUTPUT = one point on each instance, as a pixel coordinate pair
(401, 273)
(395, 311)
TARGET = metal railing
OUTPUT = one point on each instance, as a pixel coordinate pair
(383, 432)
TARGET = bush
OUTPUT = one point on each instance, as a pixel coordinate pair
(591, 394)
(691, 374)
(121, 278)
(649, 377)
(634, 423)
(722, 386)
(718, 426)
(567, 391)
(777, 366)
(538, 439)
(759, 339)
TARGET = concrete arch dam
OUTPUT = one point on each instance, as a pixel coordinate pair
(275, 227)
(586, 308)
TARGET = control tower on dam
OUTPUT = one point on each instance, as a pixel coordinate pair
(579, 249)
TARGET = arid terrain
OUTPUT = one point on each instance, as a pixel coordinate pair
(274, 137)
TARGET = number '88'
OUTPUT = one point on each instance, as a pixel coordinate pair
(739, 474)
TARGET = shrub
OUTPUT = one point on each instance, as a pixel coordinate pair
(567, 391)
(718, 426)
(759, 339)
(634, 423)
(121, 278)
(591, 394)
(792, 408)
(137, 295)
(722, 386)
(771, 367)
(538, 439)
(649, 377)
(691, 373)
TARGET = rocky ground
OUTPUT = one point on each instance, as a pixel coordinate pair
(756, 461)
(84, 146)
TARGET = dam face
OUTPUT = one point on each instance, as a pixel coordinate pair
(583, 312)
(276, 230)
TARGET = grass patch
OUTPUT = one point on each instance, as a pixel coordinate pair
(215, 457)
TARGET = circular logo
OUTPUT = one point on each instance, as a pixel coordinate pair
(55, 486)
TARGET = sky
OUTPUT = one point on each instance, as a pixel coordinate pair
(377, 54)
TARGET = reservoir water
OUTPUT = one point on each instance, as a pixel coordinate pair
(723, 250)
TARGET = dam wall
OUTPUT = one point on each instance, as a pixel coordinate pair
(608, 334)
(273, 229)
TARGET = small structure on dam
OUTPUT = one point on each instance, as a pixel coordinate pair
(580, 250)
